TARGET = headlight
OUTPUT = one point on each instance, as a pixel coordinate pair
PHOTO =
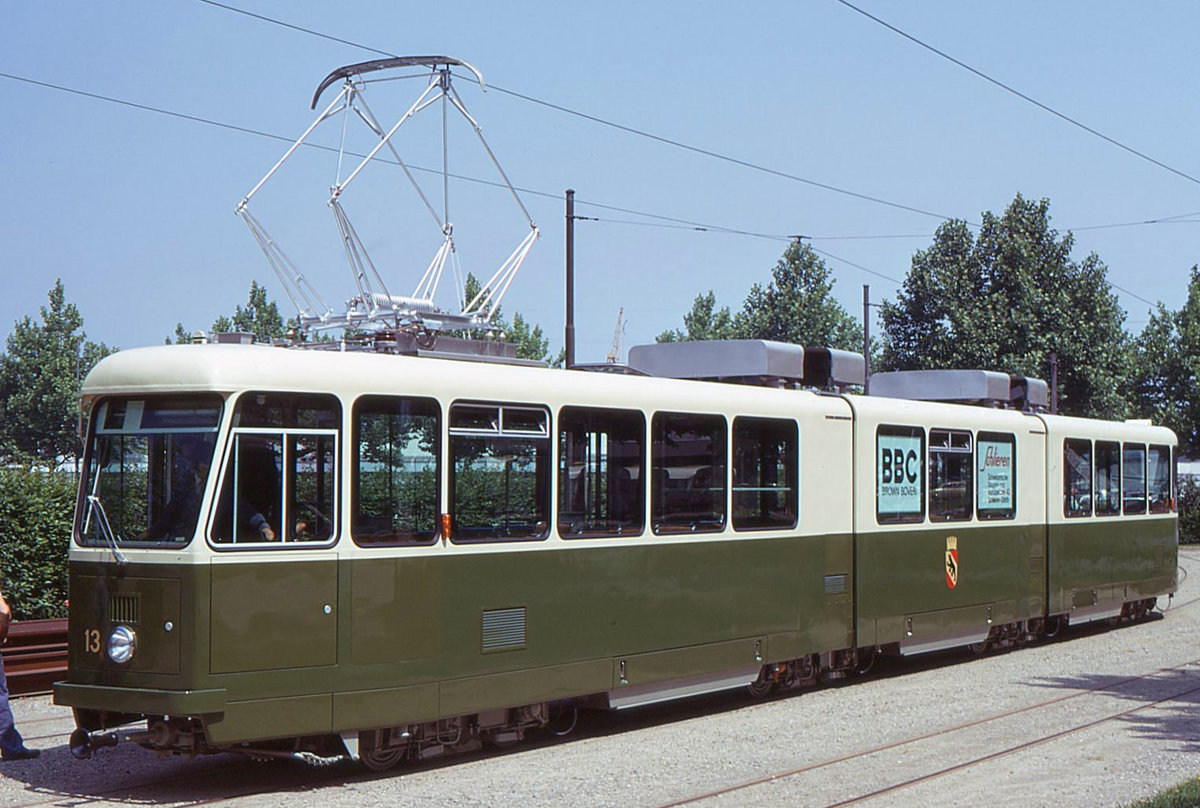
(121, 644)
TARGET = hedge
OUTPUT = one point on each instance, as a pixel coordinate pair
(35, 532)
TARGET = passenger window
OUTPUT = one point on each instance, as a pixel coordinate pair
(499, 472)
(397, 461)
(899, 474)
(1077, 477)
(280, 479)
(601, 488)
(997, 475)
(1133, 478)
(765, 489)
(687, 484)
(950, 494)
(1108, 478)
(1158, 477)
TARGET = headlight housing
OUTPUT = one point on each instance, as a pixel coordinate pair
(122, 642)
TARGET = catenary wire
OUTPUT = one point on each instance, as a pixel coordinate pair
(696, 226)
(612, 124)
(1018, 93)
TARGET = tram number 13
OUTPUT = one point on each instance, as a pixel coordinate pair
(91, 641)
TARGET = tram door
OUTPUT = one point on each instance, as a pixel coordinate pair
(274, 577)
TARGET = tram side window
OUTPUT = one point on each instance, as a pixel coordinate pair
(950, 479)
(601, 488)
(1133, 478)
(280, 478)
(997, 475)
(1108, 478)
(499, 472)
(1077, 477)
(765, 485)
(396, 470)
(687, 482)
(899, 474)
(1158, 478)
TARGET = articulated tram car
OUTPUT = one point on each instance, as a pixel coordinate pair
(315, 554)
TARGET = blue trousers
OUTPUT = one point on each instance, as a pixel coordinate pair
(10, 740)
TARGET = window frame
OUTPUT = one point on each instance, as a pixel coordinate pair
(287, 430)
(500, 429)
(403, 406)
(663, 523)
(949, 448)
(1110, 510)
(791, 465)
(998, 514)
(576, 415)
(1090, 479)
(1126, 448)
(910, 433)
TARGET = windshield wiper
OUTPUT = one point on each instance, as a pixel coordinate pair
(94, 504)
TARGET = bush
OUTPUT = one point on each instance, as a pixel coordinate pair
(1189, 511)
(35, 531)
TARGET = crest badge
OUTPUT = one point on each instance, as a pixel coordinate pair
(951, 561)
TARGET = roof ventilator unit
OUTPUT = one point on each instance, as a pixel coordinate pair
(749, 361)
(987, 388)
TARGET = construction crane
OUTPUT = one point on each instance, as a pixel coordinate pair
(614, 353)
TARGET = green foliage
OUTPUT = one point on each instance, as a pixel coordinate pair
(704, 321)
(1184, 795)
(39, 383)
(35, 531)
(1166, 368)
(797, 306)
(530, 341)
(1005, 300)
(1189, 511)
(260, 317)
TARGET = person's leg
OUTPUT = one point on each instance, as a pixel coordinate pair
(11, 742)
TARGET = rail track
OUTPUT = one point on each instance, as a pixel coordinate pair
(35, 655)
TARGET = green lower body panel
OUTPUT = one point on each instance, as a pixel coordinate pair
(139, 700)
(523, 687)
(263, 719)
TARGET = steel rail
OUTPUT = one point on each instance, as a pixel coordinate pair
(1101, 688)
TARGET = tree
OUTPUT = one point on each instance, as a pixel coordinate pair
(1005, 300)
(529, 339)
(40, 376)
(704, 321)
(260, 317)
(1166, 368)
(797, 306)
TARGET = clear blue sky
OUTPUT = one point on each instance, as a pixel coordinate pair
(134, 209)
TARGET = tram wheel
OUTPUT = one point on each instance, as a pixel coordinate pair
(377, 759)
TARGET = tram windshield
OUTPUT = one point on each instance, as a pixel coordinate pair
(147, 464)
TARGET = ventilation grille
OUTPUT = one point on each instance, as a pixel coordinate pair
(123, 609)
(835, 584)
(504, 628)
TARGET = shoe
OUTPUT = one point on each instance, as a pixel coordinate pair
(24, 753)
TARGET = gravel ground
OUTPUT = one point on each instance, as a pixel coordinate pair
(1105, 716)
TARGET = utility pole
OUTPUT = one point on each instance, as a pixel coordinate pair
(569, 336)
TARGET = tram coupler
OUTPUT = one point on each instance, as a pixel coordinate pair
(83, 743)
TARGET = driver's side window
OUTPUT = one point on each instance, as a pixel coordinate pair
(279, 484)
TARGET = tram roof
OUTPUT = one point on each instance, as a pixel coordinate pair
(230, 368)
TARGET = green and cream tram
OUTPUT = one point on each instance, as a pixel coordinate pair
(319, 553)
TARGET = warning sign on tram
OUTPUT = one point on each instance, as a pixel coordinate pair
(951, 561)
